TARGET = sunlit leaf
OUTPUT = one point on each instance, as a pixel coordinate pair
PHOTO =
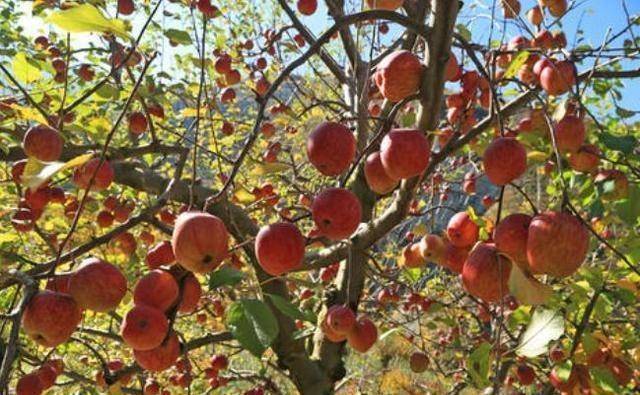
(243, 196)
(24, 69)
(85, 18)
(268, 168)
(28, 114)
(545, 326)
(516, 63)
(37, 173)
(526, 289)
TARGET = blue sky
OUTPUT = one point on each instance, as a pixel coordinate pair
(592, 17)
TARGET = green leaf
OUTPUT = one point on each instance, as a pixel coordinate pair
(252, 324)
(516, 63)
(225, 276)
(85, 18)
(603, 378)
(545, 326)
(464, 31)
(629, 209)
(478, 364)
(290, 310)
(624, 144)
(178, 36)
(25, 69)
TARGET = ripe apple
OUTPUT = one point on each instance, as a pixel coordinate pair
(525, 373)
(418, 362)
(557, 244)
(412, 256)
(160, 358)
(279, 248)
(504, 160)
(223, 64)
(191, 293)
(404, 153)
(558, 78)
(219, 362)
(336, 212)
(620, 184)
(535, 15)
(340, 319)
(363, 335)
(144, 328)
(138, 123)
(97, 285)
(462, 231)
(43, 143)
(569, 133)
(47, 375)
(399, 75)
(126, 7)
(159, 255)
(104, 219)
(562, 385)
(376, 177)
(454, 257)
(157, 289)
(50, 318)
(307, 7)
(432, 248)
(331, 148)
(586, 159)
(200, 241)
(29, 384)
(102, 180)
(510, 237)
(485, 274)
(452, 71)
(330, 334)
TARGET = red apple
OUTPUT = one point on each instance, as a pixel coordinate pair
(50, 318)
(97, 285)
(103, 177)
(485, 274)
(331, 148)
(160, 358)
(504, 160)
(462, 231)
(157, 289)
(557, 244)
(279, 248)
(191, 293)
(399, 75)
(43, 143)
(363, 335)
(336, 212)
(144, 328)
(200, 241)
(404, 153)
(510, 236)
(376, 177)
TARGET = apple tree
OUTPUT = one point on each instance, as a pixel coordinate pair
(380, 196)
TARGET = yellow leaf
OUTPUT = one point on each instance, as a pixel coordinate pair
(28, 114)
(526, 289)
(515, 65)
(420, 230)
(24, 69)
(37, 173)
(189, 112)
(85, 18)
(243, 196)
(99, 126)
(268, 168)
(537, 156)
